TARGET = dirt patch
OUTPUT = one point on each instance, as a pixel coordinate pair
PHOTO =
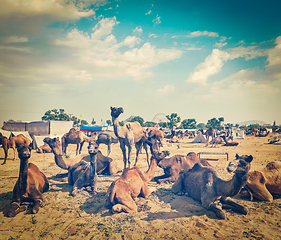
(162, 215)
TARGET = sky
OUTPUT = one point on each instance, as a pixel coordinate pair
(199, 59)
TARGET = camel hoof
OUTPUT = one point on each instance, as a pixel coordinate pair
(221, 215)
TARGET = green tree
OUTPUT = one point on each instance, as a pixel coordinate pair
(201, 126)
(149, 124)
(108, 122)
(163, 124)
(215, 123)
(138, 119)
(189, 123)
(173, 120)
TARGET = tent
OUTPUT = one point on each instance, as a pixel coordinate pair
(6, 134)
(24, 133)
(199, 138)
(38, 140)
(238, 133)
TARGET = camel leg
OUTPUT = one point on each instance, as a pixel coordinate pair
(64, 148)
(81, 146)
(123, 148)
(14, 152)
(207, 143)
(144, 191)
(217, 209)
(80, 182)
(128, 205)
(138, 147)
(16, 208)
(108, 149)
(147, 157)
(129, 154)
(178, 186)
(38, 203)
(237, 207)
(5, 147)
(77, 148)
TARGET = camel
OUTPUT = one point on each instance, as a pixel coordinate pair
(75, 137)
(44, 149)
(176, 165)
(210, 132)
(5, 144)
(274, 139)
(261, 134)
(19, 141)
(158, 134)
(106, 139)
(132, 184)
(262, 184)
(84, 174)
(129, 134)
(30, 185)
(229, 143)
(105, 165)
(203, 184)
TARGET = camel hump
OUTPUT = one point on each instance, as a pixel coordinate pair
(255, 176)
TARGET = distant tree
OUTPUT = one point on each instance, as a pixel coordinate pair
(149, 124)
(188, 123)
(201, 126)
(121, 123)
(60, 115)
(163, 124)
(173, 120)
(108, 122)
(137, 119)
(215, 123)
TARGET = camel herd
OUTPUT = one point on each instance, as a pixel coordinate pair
(188, 173)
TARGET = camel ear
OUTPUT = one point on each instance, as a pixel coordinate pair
(249, 159)
(111, 108)
(237, 156)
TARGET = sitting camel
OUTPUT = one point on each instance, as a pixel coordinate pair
(75, 137)
(176, 165)
(131, 184)
(5, 144)
(106, 139)
(19, 141)
(105, 165)
(203, 184)
(84, 174)
(262, 134)
(229, 143)
(30, 185)
(129, 134)
(261, 184)
(44, 149)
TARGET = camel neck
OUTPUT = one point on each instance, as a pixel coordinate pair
(117, 127)
(60, 161)
(23, 173)
(151, 171)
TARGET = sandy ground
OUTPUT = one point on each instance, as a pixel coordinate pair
(162, 215)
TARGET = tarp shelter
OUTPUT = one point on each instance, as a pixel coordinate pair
(199, 138)
(238, 133)
(38, 140)
(5, 133)
(92, 128)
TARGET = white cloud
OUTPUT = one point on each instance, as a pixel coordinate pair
(138, 31)
(104, 27)
(246, 52)
(202, 33)
(58, 9)
(131, 41)
(152, 35)
(157, 20)
(166, 89)
(211, 66)
(15, 39)
(148, 13)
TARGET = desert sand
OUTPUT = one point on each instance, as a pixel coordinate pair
(162, 215)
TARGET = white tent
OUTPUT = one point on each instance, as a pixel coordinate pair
(38, 140)
(5, 133)
(24, 133)
(199, 138)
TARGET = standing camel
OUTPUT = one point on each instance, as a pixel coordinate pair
(106, 139)
(18, 142)
(5, 144)
(129, 134)
(210, 132)
(75, 137)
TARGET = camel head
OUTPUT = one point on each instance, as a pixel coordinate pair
(24, 152)
(161, 155)
(115, 112)
(54, 144)
(240, 164)
(93, 148)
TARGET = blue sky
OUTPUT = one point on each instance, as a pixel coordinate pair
(198, 59)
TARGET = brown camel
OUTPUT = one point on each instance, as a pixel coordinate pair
(19, 141)
(132, 184)
(176, 165)
(229, 143)
(203, 184)
(105, 165)
(44, 149)
(210, 132)
(30, 185)
(75, 137)
(262, 184)
(159, 135)
(129, 134)
(106, 139)
(5, 145)
(262, 134)
(84, 174)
